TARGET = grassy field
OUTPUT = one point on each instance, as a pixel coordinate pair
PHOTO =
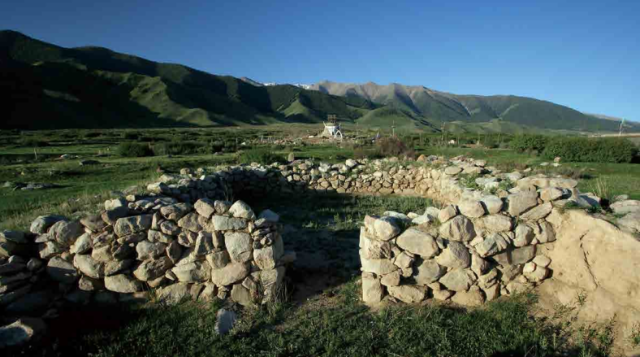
(84, 187)
(320, 312)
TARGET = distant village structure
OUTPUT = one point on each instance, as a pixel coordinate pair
(332, 128)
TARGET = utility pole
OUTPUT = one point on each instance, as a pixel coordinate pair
(393, 129)
(621, 127)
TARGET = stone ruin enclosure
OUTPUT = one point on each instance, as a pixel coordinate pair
(186, 239)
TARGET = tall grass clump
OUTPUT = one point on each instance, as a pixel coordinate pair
(577, 149)
(133, 150)
(529, 143)
(261, 156)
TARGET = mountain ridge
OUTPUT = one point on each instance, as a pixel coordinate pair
(44, 86)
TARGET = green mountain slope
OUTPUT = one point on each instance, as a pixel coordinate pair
(47, 86)
(439, 106)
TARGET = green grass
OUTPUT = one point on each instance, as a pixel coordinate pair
(332, 324)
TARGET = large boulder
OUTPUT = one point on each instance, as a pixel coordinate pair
(239, 246)
(21, 332)
(224, 223)
(427, 272)
(384, 228)
(88, 266)
(42, 223)
(473, 297)
(241, 210)
(521, 202)
(152, 269)
(65, 232)
(407, 293)
(61, 270)
(471, 208)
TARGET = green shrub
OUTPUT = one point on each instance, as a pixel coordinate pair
(261, 156)
(529, 143)
(181, 148)
(577, 149)
(133, 150)
(393, 146)
(33, 142)
(130, 135)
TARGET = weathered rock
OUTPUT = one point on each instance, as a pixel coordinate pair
(523, 235)
(115, 266)
(241, 295)
(377, 266)
(174, 251)
(491, 245)
(407, 293)
(65, 232)
(548, 194)
(626, 206)
(222, 207)
(392, 279)
(493, 204)
(204, 244)
(130, 225)
(473, 297)
(452, 170)
(522, 201)
(471, 208)
(269, 215)
(384, 228)
(82, 245)
(22, 332)
(13, 236)
(123, 284)
(218, 260)
(455, 255)
(418, 242)
(547, 234)
(265, 258)
(223, 223)
(42, 223)
(241, 210)
(88, 266)
(174, 293)
(152, 269)
(447, 213)
(458, 279)
(147, 250)
(90, 284)
(205, 207)
(538, 212)
(94, 223)
(239, 246)
(226, 319)
(427, 272)
(170, 228)
(61, 270)
(231, 273)
(176, 211)
(271, 283)
(193, 272)
(497, 223)
(111, 216)
(191, 222)
(459, 228)
(514, 256)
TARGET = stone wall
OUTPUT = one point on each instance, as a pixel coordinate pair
(139, 245)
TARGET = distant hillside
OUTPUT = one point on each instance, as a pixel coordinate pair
(47, 86)
(434, 105)
(44, 86)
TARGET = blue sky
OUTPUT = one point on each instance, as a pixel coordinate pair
(583, 54)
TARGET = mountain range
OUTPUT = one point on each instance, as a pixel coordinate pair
(44, 86)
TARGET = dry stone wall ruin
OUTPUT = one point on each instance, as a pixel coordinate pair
(494, 234)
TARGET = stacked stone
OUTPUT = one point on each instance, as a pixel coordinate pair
(477, 253)
(213, 248)
(19, 275)
(190, 186)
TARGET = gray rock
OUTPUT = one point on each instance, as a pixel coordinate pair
(515, 256)
(223, 223)
(82, 245)
(473, 297)
(147, 250)
(471, 208)
(372, 290)
(407, 293)
(427, 272)
(130, 225)
(94, 223)
(447, 213)
(497, 223)
(89, 266)
(49, 249)
(193, 272)
(226, 319)
(522, 201)
(115, 203)
(269, 215)
(385, 228)
(492, 203)
(204, 244)
(152, 269)
(218, 260)
(113, 215)
(458, 279)
(538, 212)
(113, 267)
(174, 293)
(205, 207)
(65, 232)
(241, 295)
(418, 242)
(459, 228)
(242, 210)
(231, 273)
(192, 222)
(455, 255)
(239, 246)
(175, 212)
(491, 245)
(123, 284)
(222, 207)
(22, 332)
(13, 236)
(42, 223)
(61, 270)
(626, 206)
